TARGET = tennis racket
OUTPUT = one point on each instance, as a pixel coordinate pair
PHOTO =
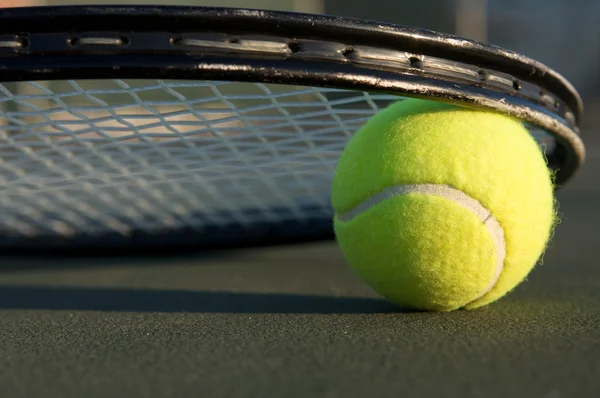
(157, 127)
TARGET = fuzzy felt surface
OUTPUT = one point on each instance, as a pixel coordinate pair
(426, 252)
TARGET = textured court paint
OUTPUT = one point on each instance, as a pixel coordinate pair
(489, 157)
(446, 192)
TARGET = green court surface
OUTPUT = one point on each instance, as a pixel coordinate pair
(295, 322)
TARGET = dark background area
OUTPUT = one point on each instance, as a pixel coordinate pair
(294, 321)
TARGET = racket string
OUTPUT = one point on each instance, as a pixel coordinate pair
(121, 156)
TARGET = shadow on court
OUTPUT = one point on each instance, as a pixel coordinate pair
(74, 260)
(129, 300)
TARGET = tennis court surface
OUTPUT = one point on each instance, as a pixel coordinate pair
(295, 322)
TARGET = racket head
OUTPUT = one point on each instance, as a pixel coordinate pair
(219, 127)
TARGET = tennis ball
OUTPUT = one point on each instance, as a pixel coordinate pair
(439, 207)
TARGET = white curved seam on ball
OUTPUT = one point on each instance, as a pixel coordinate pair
(445, 191)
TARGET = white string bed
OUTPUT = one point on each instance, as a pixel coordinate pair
(116, 156)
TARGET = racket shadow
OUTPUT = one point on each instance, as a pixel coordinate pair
(20, 263)
(175, 301)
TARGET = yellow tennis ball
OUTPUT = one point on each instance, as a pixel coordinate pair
(440, 207)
